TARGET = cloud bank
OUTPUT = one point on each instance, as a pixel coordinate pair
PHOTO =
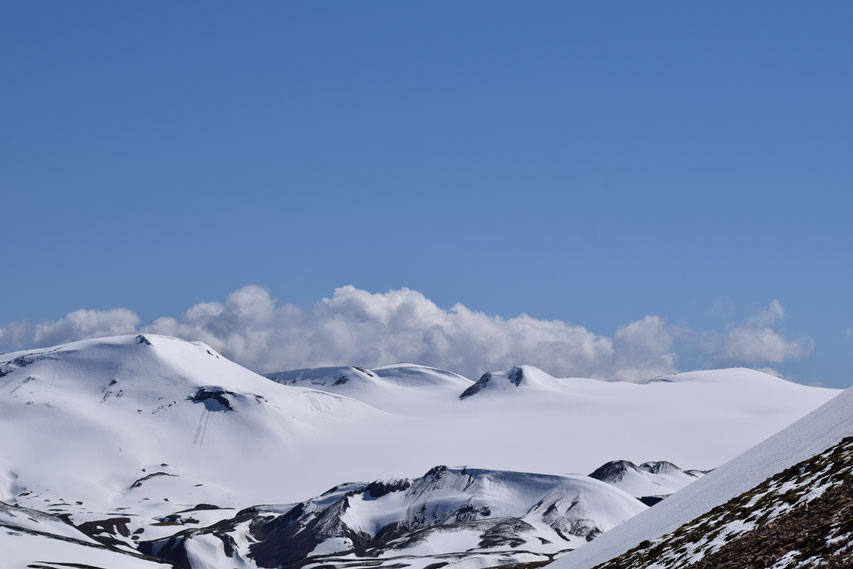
(77, 325)
(367, 329)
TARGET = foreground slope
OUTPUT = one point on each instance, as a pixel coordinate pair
(807, 438)
(801, 517)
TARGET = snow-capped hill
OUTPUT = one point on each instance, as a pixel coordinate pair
(508, 381)
(110, 412)
(740, 377)
(459, 514)
(820, 430)
(614, 471)
(419, 376)
(647, 481)
(352, 379)
(147, 366)
(341, 379)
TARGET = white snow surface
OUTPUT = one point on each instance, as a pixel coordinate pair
(30, 537)
(697, 420)
(22, 550)
(807, 437)
(397, 388)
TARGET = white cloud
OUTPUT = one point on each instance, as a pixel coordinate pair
(370, 329)
(759, 340)
(361, 328)
(768, 316)
(357, 327)
(73, 326)
(771, 371)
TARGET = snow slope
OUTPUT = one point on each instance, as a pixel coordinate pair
(808, 437)
(31, 538)
(526, 420)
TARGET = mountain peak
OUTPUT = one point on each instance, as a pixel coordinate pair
(510, 379)
(613, 471)
(659, 467)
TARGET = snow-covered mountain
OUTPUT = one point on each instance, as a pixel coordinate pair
(530, 379)
(804, 442)
(135, 439)
(127, 422)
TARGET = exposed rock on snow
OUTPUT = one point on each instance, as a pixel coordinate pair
(486, 512)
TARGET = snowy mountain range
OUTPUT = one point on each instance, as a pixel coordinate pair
(479, 516)
(143, 446)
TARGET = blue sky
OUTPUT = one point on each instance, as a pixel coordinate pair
(593, 163)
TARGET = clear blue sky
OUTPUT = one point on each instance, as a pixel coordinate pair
(591, 162)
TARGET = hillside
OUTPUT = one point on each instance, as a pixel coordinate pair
(801, 517)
